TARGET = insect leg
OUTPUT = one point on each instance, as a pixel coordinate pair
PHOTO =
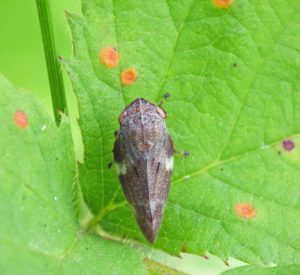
(116, 134)
(182, 153)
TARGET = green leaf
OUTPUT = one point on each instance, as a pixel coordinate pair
(155, 268)
(235, 96)
(258, 270)
(39, 233)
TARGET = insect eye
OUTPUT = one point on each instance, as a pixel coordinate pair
(161, 112)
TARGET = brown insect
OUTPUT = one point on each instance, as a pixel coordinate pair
(143, 156)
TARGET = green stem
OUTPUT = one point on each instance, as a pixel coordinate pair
(53, 65)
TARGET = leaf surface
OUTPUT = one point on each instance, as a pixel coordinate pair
(39, 232)
(235, 97)
(259, 270)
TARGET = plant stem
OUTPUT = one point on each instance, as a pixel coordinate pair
(53, 65)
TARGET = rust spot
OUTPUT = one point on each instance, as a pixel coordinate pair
(109, 56)
(288, 145)
(21, 119)
(223, 4)
(245, 210)
(129, 76)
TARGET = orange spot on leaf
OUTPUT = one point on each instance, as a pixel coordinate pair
(109, 56)
(223, 4)
(21, 119)
(245, 210)
(128, 76)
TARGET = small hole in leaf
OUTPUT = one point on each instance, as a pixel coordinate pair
(128, 76)
(288, 145)
(21, 119)
(223, 4)
(245, 210)
(109, 56)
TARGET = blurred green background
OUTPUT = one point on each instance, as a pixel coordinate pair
(22, 58)
(22, 61)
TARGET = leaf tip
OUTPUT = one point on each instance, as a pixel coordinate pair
(67, 14)
(226, 262)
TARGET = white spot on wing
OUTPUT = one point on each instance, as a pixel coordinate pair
(120, 168)
(154, 204)
(169, 163)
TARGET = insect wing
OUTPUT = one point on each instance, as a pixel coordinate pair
(145, 179)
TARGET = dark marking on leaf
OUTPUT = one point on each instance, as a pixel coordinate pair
(288, 145)
(186, 153)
